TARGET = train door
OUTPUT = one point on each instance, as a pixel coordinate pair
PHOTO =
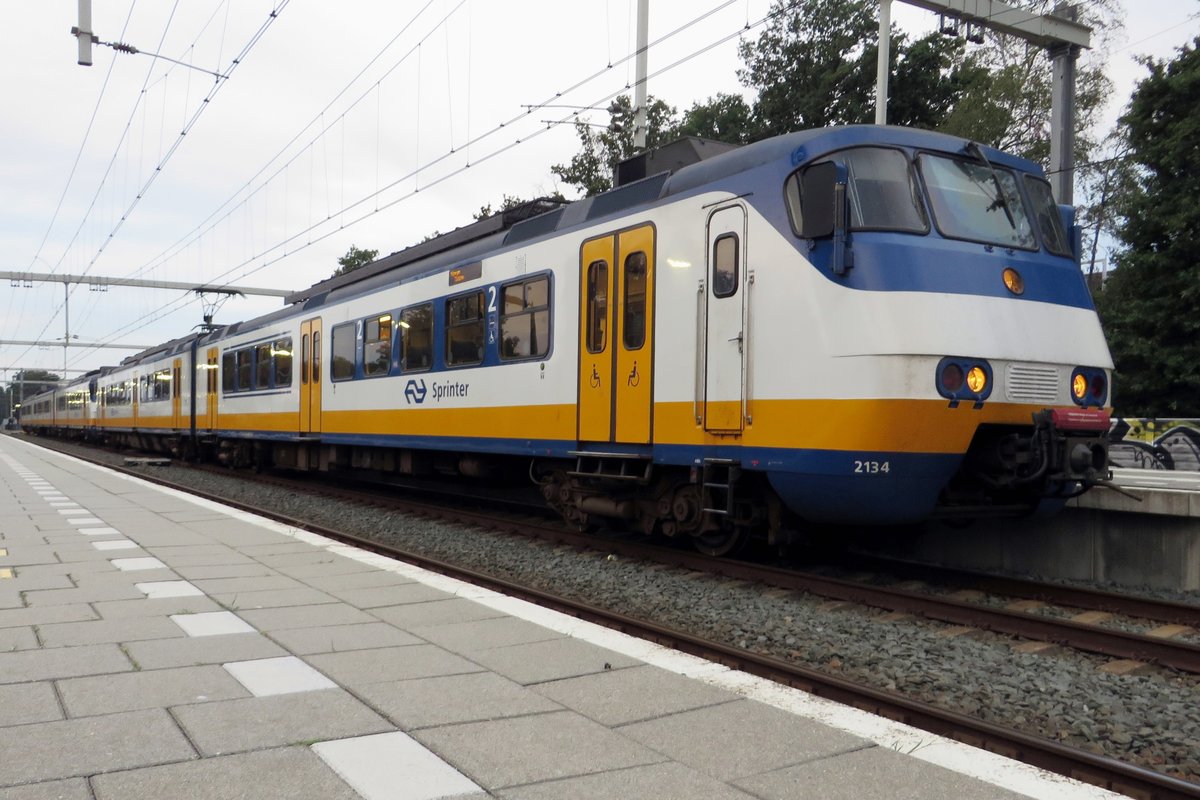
(210, 388)
(310, 375)
(725, 306)
(177, 394)
(616, 337)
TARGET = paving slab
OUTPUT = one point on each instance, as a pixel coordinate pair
(131, 629)
(736, 740)
(263, 582)
(73, 789)
(85, 746)
(250, 570)
(551, 660)
(22, 703)
(79, 595)
(370, 579)
(274, 619)
(289, 773)
(278, 598)
(62, 662)
(13, 639)
(400, 594)
(148, 607)
(620, 696)
(874, 773)
(509, 752)
(658, 781)
(443, 700)
(186, 652)
(212, 623)
(157, 688)
(340, 638)
(376, 765)
(486, 634)
(257, 723)
(360, 667)
(438, 612)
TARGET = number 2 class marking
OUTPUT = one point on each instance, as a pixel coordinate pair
(872, 467)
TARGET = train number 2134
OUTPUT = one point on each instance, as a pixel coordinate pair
(872, 467)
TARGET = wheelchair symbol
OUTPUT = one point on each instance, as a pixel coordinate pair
(634, 379)
(595, 379)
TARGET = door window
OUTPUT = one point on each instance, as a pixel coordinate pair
(634, 322)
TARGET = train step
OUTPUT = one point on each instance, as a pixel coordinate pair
(720, 475)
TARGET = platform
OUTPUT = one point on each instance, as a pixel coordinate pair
(154, 645)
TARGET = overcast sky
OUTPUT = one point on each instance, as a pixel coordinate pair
(340, 123)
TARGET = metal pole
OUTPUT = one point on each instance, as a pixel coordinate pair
(881, 69)
(67, 317)
(1062, 114)
(639, 93)
(84, 34)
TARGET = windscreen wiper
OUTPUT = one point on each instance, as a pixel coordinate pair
(1001, 195)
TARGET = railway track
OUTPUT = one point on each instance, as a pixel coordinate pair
(1096, 769)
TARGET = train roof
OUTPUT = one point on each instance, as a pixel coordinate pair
(678, 168)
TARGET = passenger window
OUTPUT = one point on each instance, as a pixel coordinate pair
(525, 324)
(281, 351)
(228, 372)
(416, 326)
(304, 359)
(341, 352)
(377, 344)
(262, 366)
(243, 369)
(725, 265)
(464, 329)
(316, 357)
(597, 306)
(634, 326)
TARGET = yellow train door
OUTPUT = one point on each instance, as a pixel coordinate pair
(310, 375)
(616, 337)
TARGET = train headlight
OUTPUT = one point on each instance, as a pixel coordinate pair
(1089, 387)
(976, 379)
(1079, 387)
(963, 379)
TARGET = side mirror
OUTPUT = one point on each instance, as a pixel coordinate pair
(817, 200)
(1074, 232)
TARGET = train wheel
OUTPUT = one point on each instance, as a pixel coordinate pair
(721, 542)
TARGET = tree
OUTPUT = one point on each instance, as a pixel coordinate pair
(592, 167)
(26, 384)
(512, 201)
(1149, 304)
(726, 118)
(355, 257)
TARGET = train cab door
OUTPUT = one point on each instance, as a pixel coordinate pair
(176, 394)
(211, 372)
(725, 321)
(310, 375)
(616, 337)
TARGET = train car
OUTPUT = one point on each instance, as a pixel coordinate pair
(851, 325)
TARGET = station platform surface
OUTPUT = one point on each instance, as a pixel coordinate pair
(154, 645)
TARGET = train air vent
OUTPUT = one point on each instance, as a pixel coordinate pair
(1028, 383)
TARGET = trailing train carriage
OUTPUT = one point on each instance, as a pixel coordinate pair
(856, 325)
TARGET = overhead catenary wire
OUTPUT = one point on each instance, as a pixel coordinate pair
(249, 267)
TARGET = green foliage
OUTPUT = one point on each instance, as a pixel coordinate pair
(355, 257)
(1149, 304)
(591, 169)
(512, 201)
(726, 118)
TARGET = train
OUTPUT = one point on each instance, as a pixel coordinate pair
(856, 325)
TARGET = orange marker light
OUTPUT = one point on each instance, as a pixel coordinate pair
(1013, 281)
(1079, 386)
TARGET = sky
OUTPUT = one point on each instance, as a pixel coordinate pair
(362, 123)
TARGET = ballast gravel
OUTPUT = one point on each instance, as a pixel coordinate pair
(1151, 719)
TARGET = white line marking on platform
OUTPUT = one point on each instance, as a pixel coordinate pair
(116, 544)
(86, 521)
(135, 564)
(156, 590)
(99, 531)
(212, 623)
(285, 675)
(61, 503)
(376, 765)
(73, 512)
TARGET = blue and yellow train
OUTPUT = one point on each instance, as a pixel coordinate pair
(852, 325)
